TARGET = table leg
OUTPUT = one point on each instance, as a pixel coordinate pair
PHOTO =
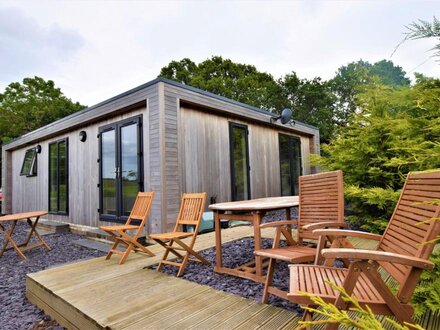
(8, 235)
(257, 241)
(218, 242)
(34, 230)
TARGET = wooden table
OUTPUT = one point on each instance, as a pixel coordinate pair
(252, 211)
(22, 247)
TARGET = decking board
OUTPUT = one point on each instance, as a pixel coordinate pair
(101, 294)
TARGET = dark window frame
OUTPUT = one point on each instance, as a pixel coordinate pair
(290, 139)
(57, 142)
(117, 126)
(33, 166)
(233, 125)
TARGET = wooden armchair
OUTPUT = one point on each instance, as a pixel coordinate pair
(321, 205)
(402, 252)
(139, 212)
(190, 214)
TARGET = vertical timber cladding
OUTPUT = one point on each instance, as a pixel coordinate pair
(204, 155)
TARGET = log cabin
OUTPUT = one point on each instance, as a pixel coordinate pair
(162, 136)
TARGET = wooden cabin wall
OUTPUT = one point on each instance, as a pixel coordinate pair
(31, 193)
(204, 155)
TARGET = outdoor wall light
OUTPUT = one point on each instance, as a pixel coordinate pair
(38, 149)
(83, 136)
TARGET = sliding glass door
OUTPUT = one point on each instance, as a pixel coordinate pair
(120, 168)
(240, 170)
(290, 164)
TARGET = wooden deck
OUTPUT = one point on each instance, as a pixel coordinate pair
(100, 294)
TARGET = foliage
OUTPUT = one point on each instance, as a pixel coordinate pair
(365, 319)
(424, 29)
(31, 104)
(240, 82)
(394, 131)
(352, 79)
(312, 101)
(427, 293)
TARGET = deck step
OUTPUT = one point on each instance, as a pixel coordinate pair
(93, 244)
(49, 226)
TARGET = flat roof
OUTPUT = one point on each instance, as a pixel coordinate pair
(146, 85)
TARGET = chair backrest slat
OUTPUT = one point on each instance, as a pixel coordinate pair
(141, 208)
(191, 209)
(321, 198)
(411, 225)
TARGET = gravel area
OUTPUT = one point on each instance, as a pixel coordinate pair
(16, 311)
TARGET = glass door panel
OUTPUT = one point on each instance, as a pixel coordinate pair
(290, 164)
(286, 181)
(63, 178)
(121, 169)
(129, 167)
(53, 178)
(108, 172)
(239, 162)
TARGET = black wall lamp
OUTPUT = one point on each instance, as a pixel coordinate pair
(38, 149)
(83, 136)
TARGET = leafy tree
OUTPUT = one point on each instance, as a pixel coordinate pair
(352, 79)
(393, 132)
(312, 102)
(240, 82)
(424, 29)
(31, 104)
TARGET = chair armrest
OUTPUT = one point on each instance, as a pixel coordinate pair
(349, 233)
(278, 223)
(377, 256)
(326, 224)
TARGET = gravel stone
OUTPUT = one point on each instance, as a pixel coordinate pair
(16, 311)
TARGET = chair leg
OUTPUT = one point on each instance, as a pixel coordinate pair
(164, 257)
(183, 265)
(114, 246)
(268, 282)
(307, 317)
(126, 254)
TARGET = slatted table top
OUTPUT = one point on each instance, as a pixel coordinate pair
(268, 203)
(22, 216)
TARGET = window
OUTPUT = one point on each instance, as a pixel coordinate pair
(58, 177)
(290, 164)
(29, 167)
(239, 150)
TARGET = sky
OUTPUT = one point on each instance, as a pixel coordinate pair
(94, 50)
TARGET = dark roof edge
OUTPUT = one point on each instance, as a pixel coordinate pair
(150, 83)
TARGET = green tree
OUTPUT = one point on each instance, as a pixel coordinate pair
(31, 104)
(312, 102)
(352, 79)
(240, 82)
(27, 106)
(393, 132)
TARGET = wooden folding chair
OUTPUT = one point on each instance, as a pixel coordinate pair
(402, 252)
(190, 214)
(321, 205)
(140, 211)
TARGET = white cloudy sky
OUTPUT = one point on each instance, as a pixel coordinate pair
(94, 50)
